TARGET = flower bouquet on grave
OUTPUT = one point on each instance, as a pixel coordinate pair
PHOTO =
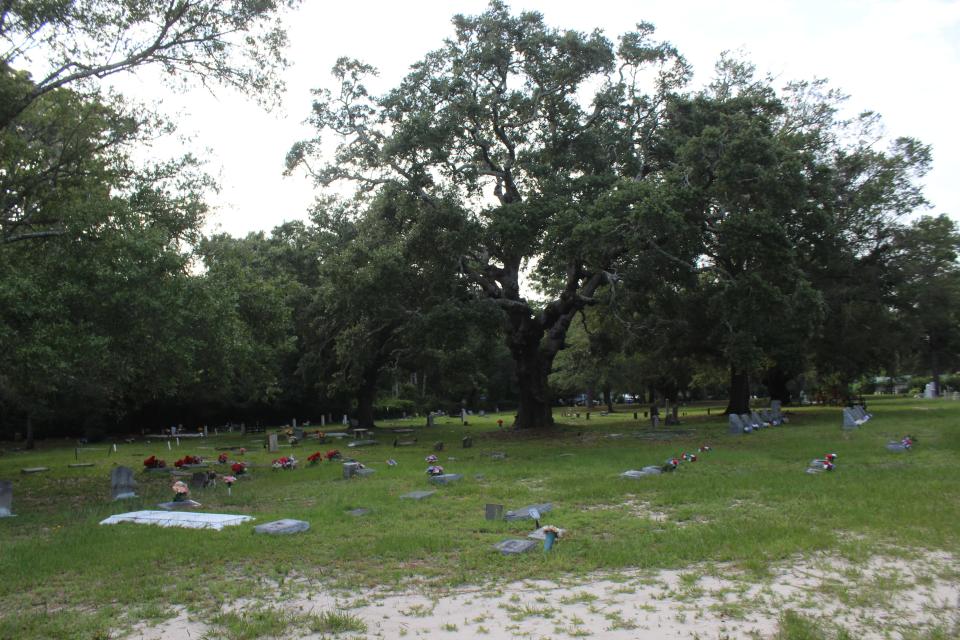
(314, 458)
(180, 491)
(239, 468)
(333, 454)
(907, 442)
(704, 448)
(229, 480)
(431, 459)
(670, 465)
(321, 436)
(689, 457)
(243, 450)
(550, 536)
(285, 462)
(435, 470)
(187, 460)
(222, 458)
(154, 463)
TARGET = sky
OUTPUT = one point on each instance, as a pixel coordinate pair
(900, 58)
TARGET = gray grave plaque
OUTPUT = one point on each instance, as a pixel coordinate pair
(493, 512)
(362, 511)
(6, 498)
(272, 445)
(513, 546)
(417, 495)
(282, 527)
(362, 443)
(298, 433)
(78, 465)
(897, 447)
(178, 505)
(364, 472)
(526, 512)
(34, 469)
(446, 478)
(122, 484)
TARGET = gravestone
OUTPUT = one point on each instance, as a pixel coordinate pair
(243, 428)
(282, 527)
(417, 495)
(446, 478)
(897, 447)
(206, 432)
(200, 480)
(78, 465)
(363, 472)
(179, 505)
(272, 445)
(513, 546)
(362, 443)
(642, 473)
(404, 443)
(498, 455)
(748, 421)
(438, 446)
(362, 511)
(430, 419)
(467, 442)
(775, 408)
(345, 419)
(850, 421)
(122, 484)
(298, 433)
(6, 498)
(736, 426)
(34, 470)
(350, 469)
(493, 512)
(526, 513)
(323, 421)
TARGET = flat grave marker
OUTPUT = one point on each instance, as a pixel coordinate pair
(446, 478)
(179, 519)
(283, 527)
(514, 546)
(526, 513)
(417, 495)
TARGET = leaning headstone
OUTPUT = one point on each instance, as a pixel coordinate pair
(282, 527)
(467, 442)
(849, 420)
(446, 478)
(272, 444)
(350, 469)
(526, 513)
(493, 512)
(122, 484)
(6, 498)
(417, 495)
(513, 546)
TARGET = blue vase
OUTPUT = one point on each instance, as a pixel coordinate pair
(549, 538)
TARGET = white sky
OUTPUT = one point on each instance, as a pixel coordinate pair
(900, 58)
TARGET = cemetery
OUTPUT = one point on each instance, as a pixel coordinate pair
(533, 321)
(559, 508)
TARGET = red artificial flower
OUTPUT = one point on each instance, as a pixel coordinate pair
(222, 458)
(238, 467)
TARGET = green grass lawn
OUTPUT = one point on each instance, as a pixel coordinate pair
(748, 502)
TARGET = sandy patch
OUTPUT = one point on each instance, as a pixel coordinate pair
(883, 598)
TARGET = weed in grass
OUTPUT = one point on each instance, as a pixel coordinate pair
(581, 596)
(250, 624)
(617, 621)
(522, 613)
(450, 627)
(419, 610)
(335, 622)
(483, 630)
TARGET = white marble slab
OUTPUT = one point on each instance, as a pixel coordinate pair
(184, 519)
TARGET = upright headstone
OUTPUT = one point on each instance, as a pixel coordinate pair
(243, 428)
(430, 419)
(294, 423)
(736, 426)
(298, 433)
(463, 416)
(272, 443)
(493, 511)
(350, 469)
(6, 498)
(206, 431)
(345, 419)
(323, 420)
(122, 484)
(467, 442)
(775, 408)
(930, 390)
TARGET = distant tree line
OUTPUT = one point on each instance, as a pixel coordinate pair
(537, 213)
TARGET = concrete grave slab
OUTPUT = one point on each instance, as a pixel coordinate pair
(446, 478)
(179, 505)
(524, 513)
(34, 469)
(417, 495)
(282, 527)
(514, 546)
(184, 520)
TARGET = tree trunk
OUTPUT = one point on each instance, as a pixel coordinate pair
(29, 444)
(776, 381)
(366, 396)
(739, 392)
(608, 398)
(533, 368)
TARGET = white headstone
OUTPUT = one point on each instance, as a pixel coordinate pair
(272, 445)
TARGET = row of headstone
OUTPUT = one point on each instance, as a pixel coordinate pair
(854, 416)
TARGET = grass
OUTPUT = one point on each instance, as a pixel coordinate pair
(747, 503)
